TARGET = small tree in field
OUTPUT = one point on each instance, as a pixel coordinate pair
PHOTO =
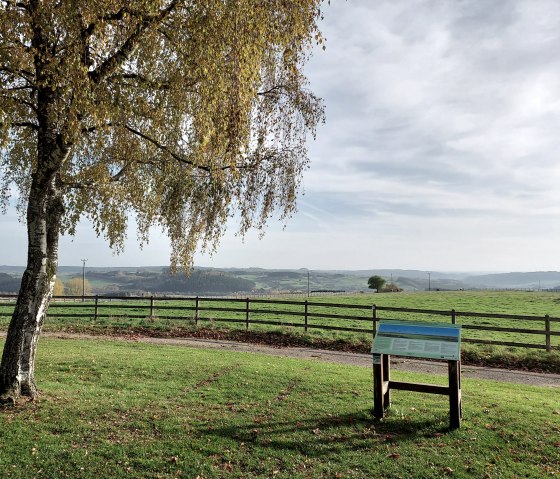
(376, 282)
(58, 289)
(77, 287)
(181, 113)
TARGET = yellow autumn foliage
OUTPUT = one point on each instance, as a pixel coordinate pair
(184, 114)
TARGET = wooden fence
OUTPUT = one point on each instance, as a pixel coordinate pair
(537, 332)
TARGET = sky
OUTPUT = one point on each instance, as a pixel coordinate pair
(440, 149)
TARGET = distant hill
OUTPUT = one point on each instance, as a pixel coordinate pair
(406, 273)
(198, 282)
(157, 280)
(422, 284)
(534, 280)
(213, 282)
(9, 284)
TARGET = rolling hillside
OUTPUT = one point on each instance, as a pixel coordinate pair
(157, 280)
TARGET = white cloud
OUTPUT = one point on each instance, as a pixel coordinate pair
(440, 151)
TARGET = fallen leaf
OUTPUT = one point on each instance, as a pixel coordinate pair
(394, 455)
(448, 470)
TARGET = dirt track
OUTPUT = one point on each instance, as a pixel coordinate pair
(362, 360)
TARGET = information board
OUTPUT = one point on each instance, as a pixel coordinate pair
(417, 339)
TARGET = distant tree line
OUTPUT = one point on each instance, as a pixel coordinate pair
(197, 282)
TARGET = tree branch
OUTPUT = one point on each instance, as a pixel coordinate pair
(24, 74)
(19, 88)
(166, 149)
(77, 185)
(21, 5)
(20, 101)
(22, 124)
(149, 83)
(93, 129)
(118, 176)
(130, 45)
(272, 89)
(88, 30)
(146, 81)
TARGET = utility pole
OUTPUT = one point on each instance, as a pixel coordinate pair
(429, 281)
(83, 279)
(308, 283)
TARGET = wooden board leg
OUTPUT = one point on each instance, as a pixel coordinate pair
(454, 395)
(386, 365)
(378, 396)
(460, 393)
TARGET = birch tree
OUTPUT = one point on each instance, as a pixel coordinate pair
(179, 113)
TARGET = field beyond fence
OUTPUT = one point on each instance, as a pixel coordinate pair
(342, 319)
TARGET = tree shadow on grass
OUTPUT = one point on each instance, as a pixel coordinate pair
(331, 434)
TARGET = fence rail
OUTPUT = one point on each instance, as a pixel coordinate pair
(536, 332)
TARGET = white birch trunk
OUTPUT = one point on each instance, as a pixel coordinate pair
(44, 213)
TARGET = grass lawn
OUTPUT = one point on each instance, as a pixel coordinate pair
(118, 409)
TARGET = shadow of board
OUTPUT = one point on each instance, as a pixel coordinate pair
(331, 434)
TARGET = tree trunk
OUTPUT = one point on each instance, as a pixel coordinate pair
(45, 209)
(44, 213)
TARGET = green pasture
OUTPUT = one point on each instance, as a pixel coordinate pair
(121, 409)
(177, 317)
(137, 312)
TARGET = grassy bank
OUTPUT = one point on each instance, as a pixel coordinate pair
(113, 409)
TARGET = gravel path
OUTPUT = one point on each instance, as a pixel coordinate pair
(363, 360)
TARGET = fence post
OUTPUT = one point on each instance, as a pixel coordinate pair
(96, 308)
(547, 332)
(152, 306)
(196, 311)
(306, 316)
(247, 314)
(453, 317)
(374, 318)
